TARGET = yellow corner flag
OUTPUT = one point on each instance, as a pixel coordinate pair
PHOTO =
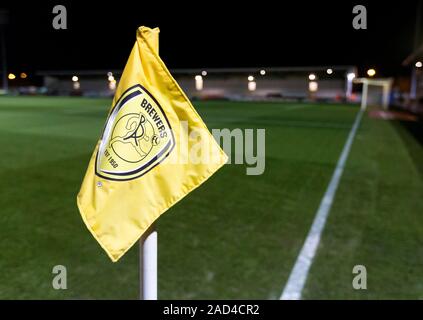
(143, 163)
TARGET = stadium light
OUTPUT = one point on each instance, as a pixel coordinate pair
(262, 72)
(204, 73)
(250, 78)
(11, 76)
(252, 85)
(312, 76)
(329, 71)
(371, 72)
(75, 79)
(198, 82)
(419, 64)
(313, 86)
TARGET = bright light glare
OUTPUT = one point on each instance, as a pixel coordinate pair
(198, 82)
(419, 64)
(262, 72)
(250, 78)
(204, 73)
(11, 76)
(23, 75)
(75, 78)
(111, 78)
(371, 72)
(313, 86)
(252, 85)
(351, 76)
(312, 76)
(112, 84)
(329, 71)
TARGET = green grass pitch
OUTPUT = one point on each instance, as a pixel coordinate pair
(237, 236)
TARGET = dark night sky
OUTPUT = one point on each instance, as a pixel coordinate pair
(212, 34)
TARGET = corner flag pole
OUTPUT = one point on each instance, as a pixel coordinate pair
(148, 265)
(148, 249)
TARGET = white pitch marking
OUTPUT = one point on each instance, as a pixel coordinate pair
(299, 273)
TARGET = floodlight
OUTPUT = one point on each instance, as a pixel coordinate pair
(371, 72)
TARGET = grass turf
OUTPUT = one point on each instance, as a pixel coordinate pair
(376, 220)
(237, 236)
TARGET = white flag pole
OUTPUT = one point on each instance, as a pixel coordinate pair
(148, 264)
(148, 242)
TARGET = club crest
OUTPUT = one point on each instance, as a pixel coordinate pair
(136, 138)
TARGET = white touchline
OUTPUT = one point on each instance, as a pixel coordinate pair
(299, 273)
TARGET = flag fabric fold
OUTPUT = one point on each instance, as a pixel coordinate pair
(140, 166)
